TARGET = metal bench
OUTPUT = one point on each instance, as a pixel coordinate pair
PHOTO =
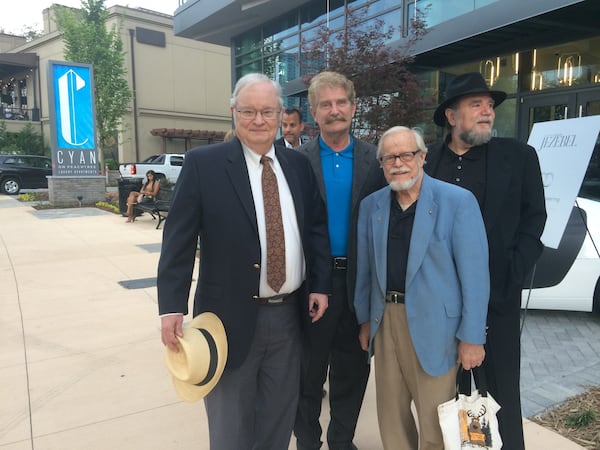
(159, 208)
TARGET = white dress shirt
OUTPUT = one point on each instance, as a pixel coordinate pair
(295, 267)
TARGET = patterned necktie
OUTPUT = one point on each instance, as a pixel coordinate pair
(274, 225)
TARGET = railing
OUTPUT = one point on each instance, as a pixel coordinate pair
(19, 114)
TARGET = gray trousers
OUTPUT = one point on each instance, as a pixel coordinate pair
(254, 406)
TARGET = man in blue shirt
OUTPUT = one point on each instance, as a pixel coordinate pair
(347, 171)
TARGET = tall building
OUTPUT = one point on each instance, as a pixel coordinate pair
(544, 53)
(181, 87)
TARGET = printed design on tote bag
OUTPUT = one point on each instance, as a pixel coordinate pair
(474, 428)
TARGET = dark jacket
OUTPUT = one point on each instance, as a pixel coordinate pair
(367, 177)
(213, 200)
(514, 214)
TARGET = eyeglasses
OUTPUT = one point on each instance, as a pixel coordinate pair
(389, 160)
(267, 114)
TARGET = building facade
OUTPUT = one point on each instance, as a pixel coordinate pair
(181, 87)
(544, 53)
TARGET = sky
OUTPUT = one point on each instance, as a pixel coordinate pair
(22, 13)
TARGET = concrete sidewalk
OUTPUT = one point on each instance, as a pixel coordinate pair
(81, 363)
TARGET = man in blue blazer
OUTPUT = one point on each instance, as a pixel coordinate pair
(422, 289)
(219, 199)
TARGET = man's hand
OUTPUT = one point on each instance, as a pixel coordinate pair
(317, 304)
(363, 335)
(470, 355)
(170, 328)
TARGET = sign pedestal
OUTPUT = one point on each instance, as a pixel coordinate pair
(76, 191)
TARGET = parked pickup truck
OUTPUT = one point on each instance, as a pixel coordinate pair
(167, 164)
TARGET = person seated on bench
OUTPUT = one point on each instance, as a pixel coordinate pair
(146, 194)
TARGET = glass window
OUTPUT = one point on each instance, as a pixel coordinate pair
(504, 124)
(316, 13)
(353, 4)
(565, 65)
(283, 26)
(282, 67)
(255, 66)
(313, 33)
(438, 11)
(281, 44)
(382, 5)
(392, 19)
(313, 62)
(244, 59)
(500, 72)
(247, 42)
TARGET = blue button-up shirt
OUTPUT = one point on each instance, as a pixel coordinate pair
(337, 175)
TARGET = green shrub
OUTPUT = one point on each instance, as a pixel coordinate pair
(107, 207)
(581, 418)
(111, 163)
(29, 197)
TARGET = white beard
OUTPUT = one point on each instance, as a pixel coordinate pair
(398, 186)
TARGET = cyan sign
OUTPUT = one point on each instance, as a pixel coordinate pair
(74, 112)
(72, 116)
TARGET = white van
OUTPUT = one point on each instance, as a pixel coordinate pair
(568, 278)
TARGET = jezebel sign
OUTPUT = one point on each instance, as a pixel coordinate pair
(564, 148)
(72, 119)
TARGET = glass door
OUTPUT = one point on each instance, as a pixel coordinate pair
(542, 108)
(566, 105)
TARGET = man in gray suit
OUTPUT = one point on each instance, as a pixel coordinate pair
(347, 171)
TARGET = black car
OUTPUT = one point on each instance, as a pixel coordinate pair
(23, 172)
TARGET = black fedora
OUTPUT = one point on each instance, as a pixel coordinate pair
(465, 84)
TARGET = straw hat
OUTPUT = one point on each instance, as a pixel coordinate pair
(465, 84)
(199, 364)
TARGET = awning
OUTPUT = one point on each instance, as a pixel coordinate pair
(210, 137)
(13, 63)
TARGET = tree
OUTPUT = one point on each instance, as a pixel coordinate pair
(388, 93)
(25, 142)
(30, 32)
(88, 41)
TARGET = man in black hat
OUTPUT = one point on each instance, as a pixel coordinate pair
(504, 175)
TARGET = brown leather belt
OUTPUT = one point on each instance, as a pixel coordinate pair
(280, 299)
(394, 297)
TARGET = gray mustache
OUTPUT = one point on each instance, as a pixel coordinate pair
(332, 119)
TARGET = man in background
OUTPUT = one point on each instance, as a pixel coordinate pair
(347, 171)
(292, 127)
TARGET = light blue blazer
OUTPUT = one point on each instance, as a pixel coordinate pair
(447, 276)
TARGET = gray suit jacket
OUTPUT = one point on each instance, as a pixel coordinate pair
(367, 177)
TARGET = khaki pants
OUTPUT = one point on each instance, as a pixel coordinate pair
(399, 379)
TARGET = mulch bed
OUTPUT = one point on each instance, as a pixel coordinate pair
(577, 419)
